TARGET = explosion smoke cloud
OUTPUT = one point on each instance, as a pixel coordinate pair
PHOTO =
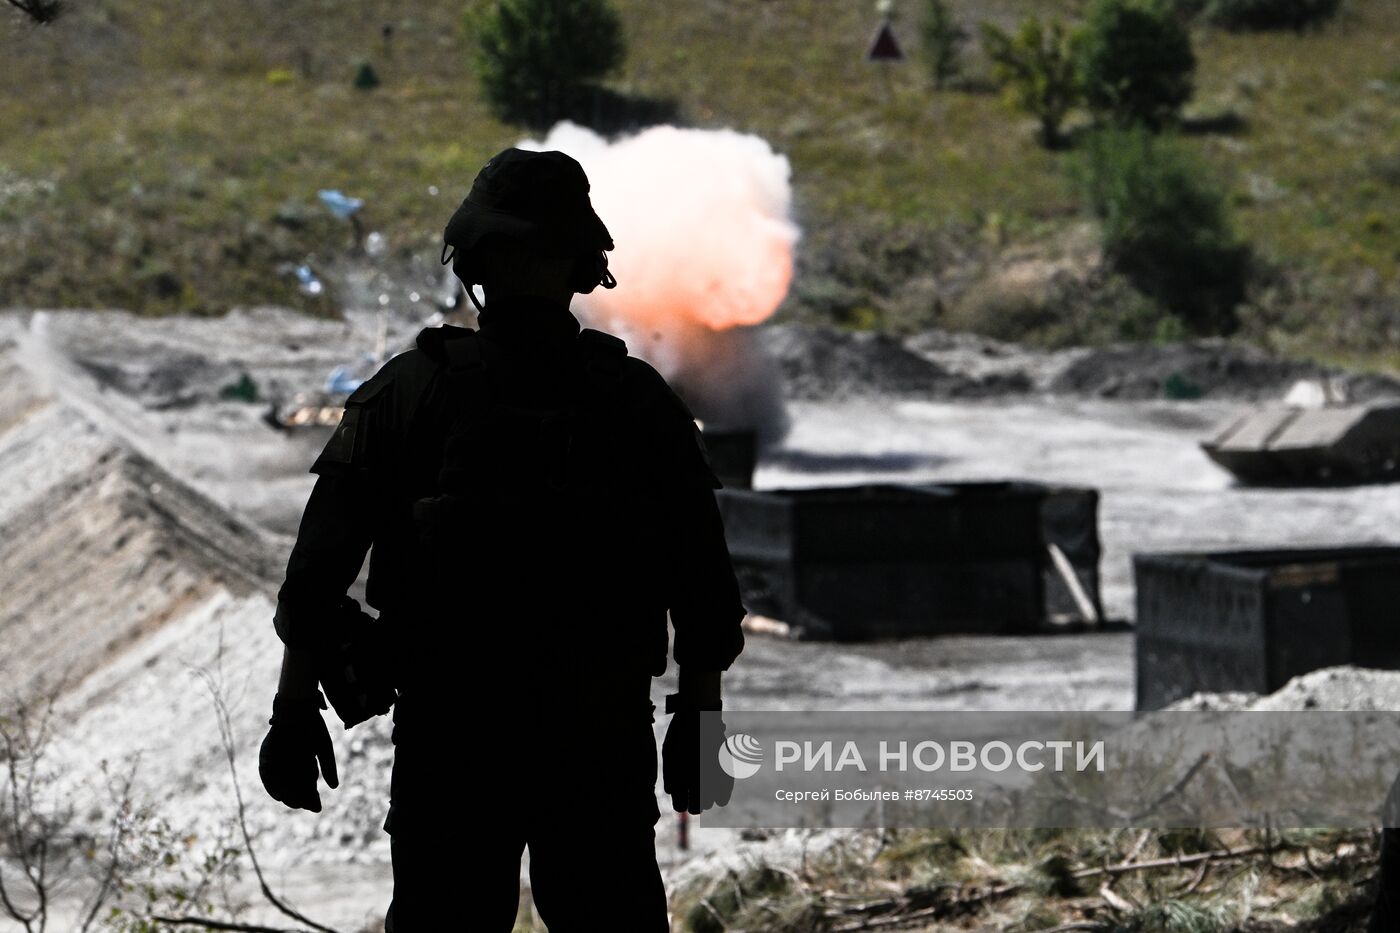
(704, 253)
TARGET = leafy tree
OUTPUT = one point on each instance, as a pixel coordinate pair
(943, 42)
(1135, 62)
(538, 58)
(1037, 68)
(1165, 226)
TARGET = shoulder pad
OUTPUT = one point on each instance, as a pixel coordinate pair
(464, 352)
(368, 414)
(369, 389)
(604, 357)
(346, 445)
(595, 341)
(433, 341)
(676, 424)
(655, 390)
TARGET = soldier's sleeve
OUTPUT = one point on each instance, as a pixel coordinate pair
(337, 527)
(704, 602)
(336, 530)
(706, 611)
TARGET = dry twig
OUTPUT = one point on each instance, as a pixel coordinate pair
(226, 737)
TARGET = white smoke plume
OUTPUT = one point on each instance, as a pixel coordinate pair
(701, 219)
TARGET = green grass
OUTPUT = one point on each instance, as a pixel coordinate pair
(167, 137)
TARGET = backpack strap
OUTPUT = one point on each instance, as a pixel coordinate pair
(468, 389)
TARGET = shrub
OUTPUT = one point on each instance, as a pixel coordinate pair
(1037, 68)
(1164, 226)
(943, 41)
(1258, 15)
(1135, 62)
(1063, 310)
(538, 57)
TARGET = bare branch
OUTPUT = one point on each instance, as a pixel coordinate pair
(21, 803)
(1176, 861)
(214, 687)
(115, 844)
(221, 925)
(1175, 790)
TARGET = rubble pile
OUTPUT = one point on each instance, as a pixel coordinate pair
(822, 364)
(1331, 688)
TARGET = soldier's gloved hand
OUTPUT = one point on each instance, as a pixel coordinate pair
(296, 750)
(690, 769)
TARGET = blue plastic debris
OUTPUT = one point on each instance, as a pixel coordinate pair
(346, 379)
(340, 382)
(307, 281)
(339, 203)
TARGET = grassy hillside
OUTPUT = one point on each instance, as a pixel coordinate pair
(165, 154)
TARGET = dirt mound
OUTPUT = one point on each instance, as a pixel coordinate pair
(98, 545)
(822, 363)
(1331, 688)
(1199, 369)
(989, 363)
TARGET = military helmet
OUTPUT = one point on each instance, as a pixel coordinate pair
(537, 198)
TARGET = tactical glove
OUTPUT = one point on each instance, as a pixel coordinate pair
(355, 672)
(690, 769)
(295, 745)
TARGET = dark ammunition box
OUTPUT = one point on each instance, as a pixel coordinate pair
(871, 561)
(1252, 620)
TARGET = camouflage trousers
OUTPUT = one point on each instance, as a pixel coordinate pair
(579, 795)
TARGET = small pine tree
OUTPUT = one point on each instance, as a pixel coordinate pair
(1037, 68)
(943, 42)
(1136, 63)
(366, 78)
(538, 57)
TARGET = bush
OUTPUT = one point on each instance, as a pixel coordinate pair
(1258, 15)
(1165, 227)
(1135, 62)
(1063, 310)
(943, 41)
(538, 57)
(1037, 68)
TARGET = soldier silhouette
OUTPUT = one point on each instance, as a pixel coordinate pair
(535, 503)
